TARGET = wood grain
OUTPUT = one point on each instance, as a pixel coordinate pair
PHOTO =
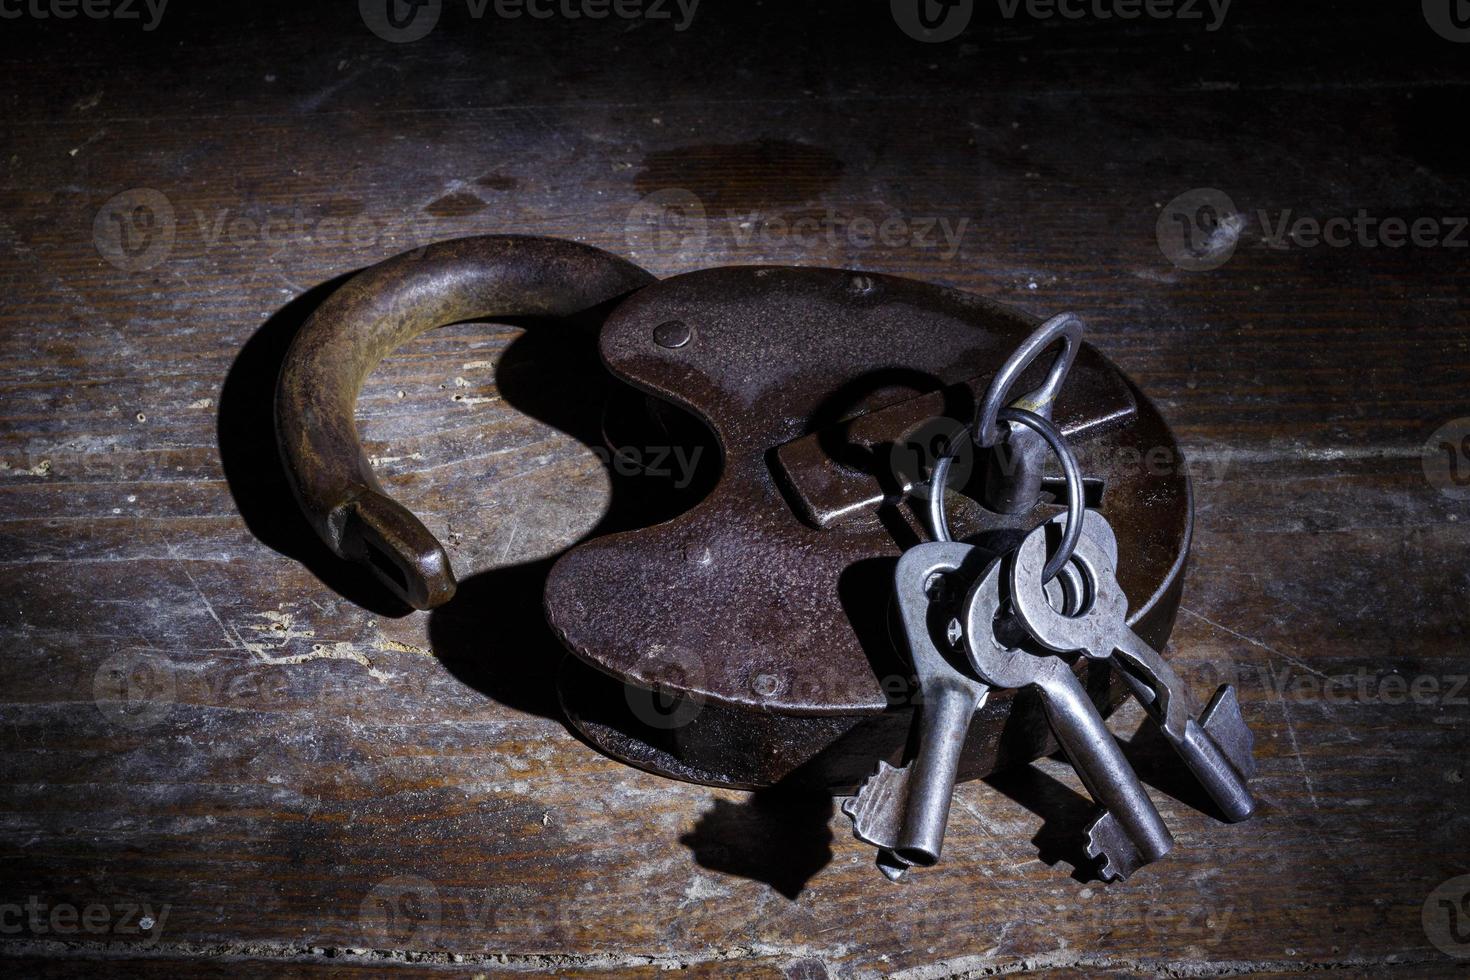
(312, 757)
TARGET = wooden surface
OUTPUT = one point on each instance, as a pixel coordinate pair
(300, 757)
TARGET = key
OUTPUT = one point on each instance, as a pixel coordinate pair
(1217, 747)
(1129, 833)
(904, 811)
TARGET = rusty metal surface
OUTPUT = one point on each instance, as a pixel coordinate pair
(827, 492)
(773, 634)
(373, 313)
(760, 613)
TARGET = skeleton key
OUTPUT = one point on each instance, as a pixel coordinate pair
(1129, 833)
(903, 811)
(1218, 747)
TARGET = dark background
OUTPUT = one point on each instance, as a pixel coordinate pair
(307, 781)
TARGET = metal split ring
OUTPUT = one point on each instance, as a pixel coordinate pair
(1066, 327)
(939, 520)
(1032, 411)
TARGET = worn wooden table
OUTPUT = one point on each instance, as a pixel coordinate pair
(300, 779)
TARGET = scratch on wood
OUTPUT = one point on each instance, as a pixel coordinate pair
(1296, 749)
(1256, 643)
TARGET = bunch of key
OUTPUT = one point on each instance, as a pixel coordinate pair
(1019, 629)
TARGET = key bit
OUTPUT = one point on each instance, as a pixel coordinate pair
(1113, 847)
(1224, 724)
(877, 811)
(904, 811)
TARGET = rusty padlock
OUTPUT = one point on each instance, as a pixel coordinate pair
(748, 641)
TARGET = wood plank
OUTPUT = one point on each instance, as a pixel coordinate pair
(314, 759)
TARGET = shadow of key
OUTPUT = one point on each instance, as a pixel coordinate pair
(780, 836)
(1159, 766)
(1063, 836)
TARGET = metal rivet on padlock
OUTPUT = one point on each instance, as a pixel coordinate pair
(672, 334)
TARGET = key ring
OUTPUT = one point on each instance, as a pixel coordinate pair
(939, 521)
(1032, 411)
(1066, 327)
